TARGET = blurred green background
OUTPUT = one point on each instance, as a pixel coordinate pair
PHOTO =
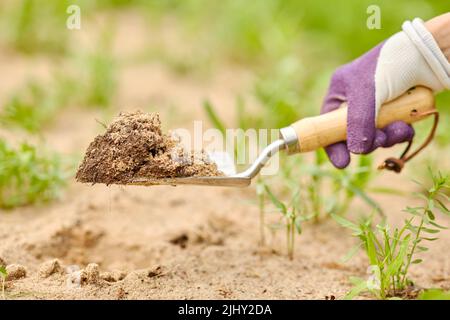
(288, 47)
(292, 46)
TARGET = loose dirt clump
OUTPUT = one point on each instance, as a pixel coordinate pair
(49, 268)
(134, 146)
(113, 276)
(87, 276)
(15, 272)
(180, 240)
(91, 274)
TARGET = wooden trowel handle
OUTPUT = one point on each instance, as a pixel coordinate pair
(321, 131)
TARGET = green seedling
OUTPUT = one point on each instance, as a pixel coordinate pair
(291, 216)
(3, 275)
(27, 176)
(392, 253)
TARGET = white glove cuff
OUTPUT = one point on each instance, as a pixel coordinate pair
(430, 50)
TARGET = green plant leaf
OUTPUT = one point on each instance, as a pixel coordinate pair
(213, 116)
(394, 267)
(421, 248)
(281, 206)
(430, 215)
(443, 207)
(414, 211)
(371, 249)
(366, 198)
(298, 224)
(351, 253)
(346, 223)
(438, 225)
(429, 230)
(430, 239)
(386, 190)
(360, 285)
(3, 272)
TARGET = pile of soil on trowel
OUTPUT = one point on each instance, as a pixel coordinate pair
(134, 146)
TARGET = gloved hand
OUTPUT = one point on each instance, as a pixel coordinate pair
(407, 59)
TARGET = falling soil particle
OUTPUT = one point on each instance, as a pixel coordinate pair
(15, 272)
(134, 146)
(2, 263)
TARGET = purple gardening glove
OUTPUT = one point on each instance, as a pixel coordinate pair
(354, 83)
(380, 75)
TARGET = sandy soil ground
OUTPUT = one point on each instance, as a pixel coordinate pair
(183, 242)
(174, 242)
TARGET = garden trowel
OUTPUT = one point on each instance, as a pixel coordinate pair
(311, 133)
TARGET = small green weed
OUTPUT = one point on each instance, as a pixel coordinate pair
(27, 177)
(391, 253)
(291, 214)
